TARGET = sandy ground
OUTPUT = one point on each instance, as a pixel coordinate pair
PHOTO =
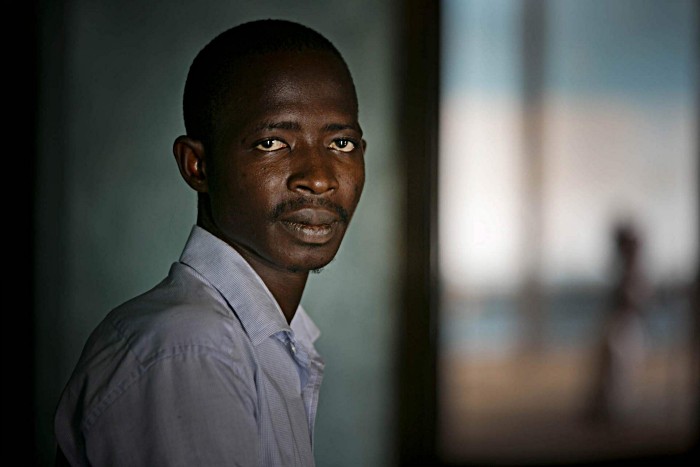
(530, 408)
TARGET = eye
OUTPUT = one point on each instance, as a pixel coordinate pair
(343, 145)
(270, 144)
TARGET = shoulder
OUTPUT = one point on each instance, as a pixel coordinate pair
(183, 311)
(182, 320)
(175, 344)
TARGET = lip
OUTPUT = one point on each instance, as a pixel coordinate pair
(311, 216)
(309, 225)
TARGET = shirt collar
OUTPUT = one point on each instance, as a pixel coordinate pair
(242, 288)
(305, 330)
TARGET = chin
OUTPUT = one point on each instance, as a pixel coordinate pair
(312, 261)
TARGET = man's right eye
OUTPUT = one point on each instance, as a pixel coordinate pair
(270, 145)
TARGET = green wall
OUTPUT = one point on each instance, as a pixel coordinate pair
(112, 212)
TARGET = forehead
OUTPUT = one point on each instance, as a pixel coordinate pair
(309, 83)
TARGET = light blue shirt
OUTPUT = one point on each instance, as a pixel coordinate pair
(201, 370)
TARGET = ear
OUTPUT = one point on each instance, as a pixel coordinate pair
(189, 155)
(364, 145)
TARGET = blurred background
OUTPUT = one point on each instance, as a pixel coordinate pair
(516, 287)
(568, 229)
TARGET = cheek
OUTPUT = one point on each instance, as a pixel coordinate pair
(245, 180)
(232, 194)
(360, 182)
(355, 181)
(263, 188)
(358, 193)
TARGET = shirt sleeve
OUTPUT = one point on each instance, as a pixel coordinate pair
(191, 408)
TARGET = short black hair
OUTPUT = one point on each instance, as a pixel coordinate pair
(210, 74)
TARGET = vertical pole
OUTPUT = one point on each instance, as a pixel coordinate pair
(533, 60)
(417, 334)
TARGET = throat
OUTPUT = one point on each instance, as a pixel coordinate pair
(286, 285)
(287, 290)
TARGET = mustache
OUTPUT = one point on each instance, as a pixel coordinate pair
(308, 202)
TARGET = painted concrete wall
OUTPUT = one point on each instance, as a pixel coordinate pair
(112, 212)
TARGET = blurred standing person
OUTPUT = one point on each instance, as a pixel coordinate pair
(622, 349)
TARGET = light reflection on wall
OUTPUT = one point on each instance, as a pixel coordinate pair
(479, 179)
(619, 141)
(611, 158)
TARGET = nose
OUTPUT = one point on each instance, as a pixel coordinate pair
(313, 172)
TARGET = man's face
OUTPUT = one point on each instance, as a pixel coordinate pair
(287, 168)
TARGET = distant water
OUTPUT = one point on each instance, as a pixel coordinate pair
(572, 320)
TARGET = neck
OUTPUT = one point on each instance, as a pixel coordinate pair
(286, 287)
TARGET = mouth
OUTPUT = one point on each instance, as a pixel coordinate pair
(310, 225)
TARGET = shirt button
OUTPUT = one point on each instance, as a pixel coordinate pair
(294, 348)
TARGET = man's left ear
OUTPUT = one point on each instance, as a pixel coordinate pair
(190, 157)
(364, 145)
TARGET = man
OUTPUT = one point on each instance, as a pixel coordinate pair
(216, 364)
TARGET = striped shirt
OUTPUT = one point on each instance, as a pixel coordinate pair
(203, 370)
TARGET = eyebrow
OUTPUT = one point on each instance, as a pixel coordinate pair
(295, 126)
(341, 126)
(286, 125)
